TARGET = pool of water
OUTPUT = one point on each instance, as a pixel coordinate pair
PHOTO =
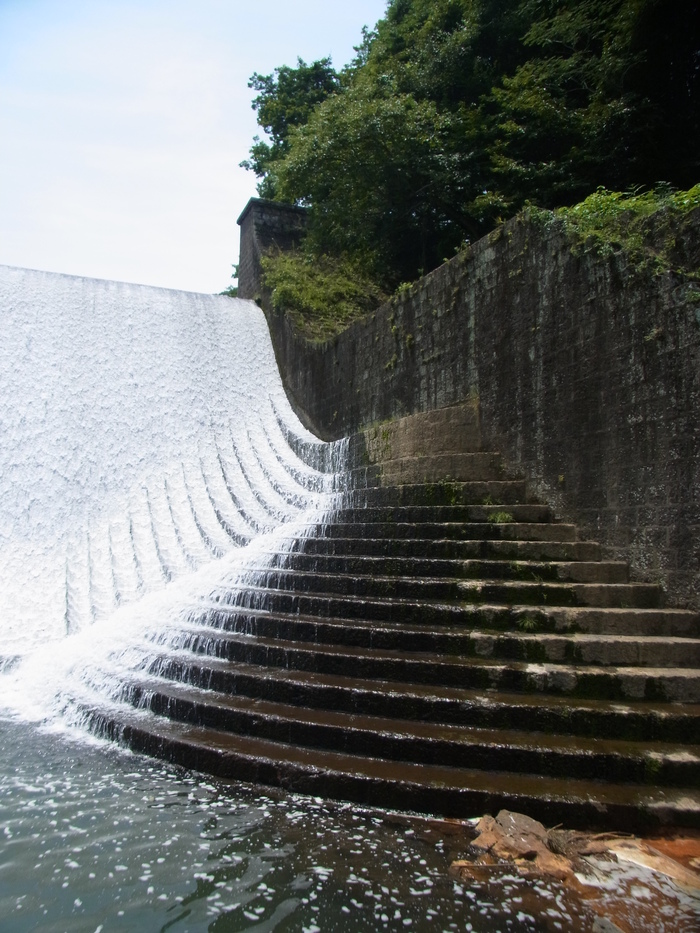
(96, 839)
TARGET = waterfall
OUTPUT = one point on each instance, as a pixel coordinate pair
(148, 453)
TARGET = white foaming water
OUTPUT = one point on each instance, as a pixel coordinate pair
(144, 457)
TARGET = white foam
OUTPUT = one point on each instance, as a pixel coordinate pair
(142, 442)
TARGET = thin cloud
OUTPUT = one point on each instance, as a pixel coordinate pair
(123, 124)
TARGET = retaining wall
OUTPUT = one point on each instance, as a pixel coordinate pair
(586, 372)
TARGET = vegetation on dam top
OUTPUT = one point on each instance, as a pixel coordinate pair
(457, 114)
(323, 295)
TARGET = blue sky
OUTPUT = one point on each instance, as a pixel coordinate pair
(122, 124)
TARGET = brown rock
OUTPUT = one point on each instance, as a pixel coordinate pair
(469, 871)
(554, 866)
(517, 838)
(517, 825)
(488, 834)
(513, 847)
(520, 836)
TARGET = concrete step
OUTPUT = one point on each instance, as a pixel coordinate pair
(614, 595)
(422, 609)
(483, 466)
(453, 635)
(603, 650)
(509, 592)
(637, 720)
(673, 623)
(577, 648)
(362, 565)
(454, 531)
(455, 429)
(487, 673)
(445, 549)
(494, 514)
(425, 743)
(476, 492)
(438, 789)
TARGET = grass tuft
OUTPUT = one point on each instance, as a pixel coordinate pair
(500, 518)
(321, 295)
(647, 226)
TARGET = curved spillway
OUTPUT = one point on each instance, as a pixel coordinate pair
(145, 448)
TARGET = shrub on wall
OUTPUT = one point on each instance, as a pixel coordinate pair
(321, 295)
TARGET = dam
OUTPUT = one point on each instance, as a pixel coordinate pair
(168, 524)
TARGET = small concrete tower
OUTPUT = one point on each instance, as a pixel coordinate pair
(265, 225)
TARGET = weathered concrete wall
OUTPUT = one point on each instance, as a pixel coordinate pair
(265, 225)
(587, 373)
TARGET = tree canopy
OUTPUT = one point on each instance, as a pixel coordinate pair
(286, 98)
(455, 113)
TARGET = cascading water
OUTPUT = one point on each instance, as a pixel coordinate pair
(149, 463)
(145, 459)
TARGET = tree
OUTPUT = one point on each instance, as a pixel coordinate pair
(568, 119)
(369, 164)
(457, 112)
(285, 99)
(667, 38)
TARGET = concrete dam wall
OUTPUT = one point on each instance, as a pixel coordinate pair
(586, 371)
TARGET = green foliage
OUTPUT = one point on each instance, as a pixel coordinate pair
(456, 113)
(643, 224)
(232, 290)
(567, 120)
(321, 295)
(500, 518)
(378, 205)
(528, 624)
(652, 767)
(285, 99)
(451, 492)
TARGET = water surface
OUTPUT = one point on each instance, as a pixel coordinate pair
(98, 839)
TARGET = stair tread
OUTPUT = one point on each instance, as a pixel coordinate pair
(519, 788)
(448, 604)
(494, 548)
(436, 513)
(407, 578)
(447, 661)
(451, 591)
(470, 696)
(448, 526)
(469, 735)
(498, 619)
(406, 629)
(432, 485)
(460, 583)
(432, 540)
(448, 563)
(468, 609)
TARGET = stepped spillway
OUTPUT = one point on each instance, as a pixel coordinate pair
(220, 589)
(144, 451)
(413, 651)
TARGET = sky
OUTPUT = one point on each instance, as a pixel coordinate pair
(123, 122)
